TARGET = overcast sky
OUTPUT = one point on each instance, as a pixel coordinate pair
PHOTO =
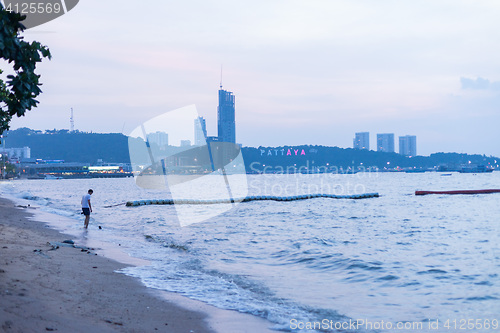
(303, 72)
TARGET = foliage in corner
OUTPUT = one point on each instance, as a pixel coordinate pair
(18, 93)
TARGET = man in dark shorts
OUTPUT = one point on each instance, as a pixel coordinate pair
(87, 207)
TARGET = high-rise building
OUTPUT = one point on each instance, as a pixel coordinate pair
(385, 142)
(408, 145)
(185, 143)
(225, 117)
(200, 131)
(362, 141)
(159, 138)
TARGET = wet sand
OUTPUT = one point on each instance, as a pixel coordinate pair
(47, 285)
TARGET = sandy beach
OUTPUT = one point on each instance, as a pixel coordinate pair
(49, 285)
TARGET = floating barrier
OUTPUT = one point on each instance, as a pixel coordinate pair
(458, 192)
(247, 199)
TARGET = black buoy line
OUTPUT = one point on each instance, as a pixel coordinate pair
(246, 199)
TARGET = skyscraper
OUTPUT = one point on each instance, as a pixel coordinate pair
(408, 145)
(362, 141)
(200, 131)
(225, 117)
(159, 138)
(385, 142)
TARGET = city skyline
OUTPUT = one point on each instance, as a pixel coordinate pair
(226, 125)
(305, 73)
(386, 143)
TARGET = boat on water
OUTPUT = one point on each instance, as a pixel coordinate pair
(44, 176)
(82, 175)
(52, 177)
(476, 169)
(415, 170)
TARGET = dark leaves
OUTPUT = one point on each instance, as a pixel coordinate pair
(18, 94)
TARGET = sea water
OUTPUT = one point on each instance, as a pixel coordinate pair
(399, 258)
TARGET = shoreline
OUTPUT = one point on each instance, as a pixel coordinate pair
(77, 289)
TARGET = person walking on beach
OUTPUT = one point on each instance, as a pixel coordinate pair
(87, 207)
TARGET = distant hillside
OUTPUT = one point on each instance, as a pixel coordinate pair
(113, 148)
(71, 147)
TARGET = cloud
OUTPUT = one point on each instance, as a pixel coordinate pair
(479, 84)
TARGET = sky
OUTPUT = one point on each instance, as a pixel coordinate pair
(303, 72)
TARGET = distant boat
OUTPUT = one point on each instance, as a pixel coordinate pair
(415, 170)
(52, 177)
(476, 169)
(446, 174)
(45, 176)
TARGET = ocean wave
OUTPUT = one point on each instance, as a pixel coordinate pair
(231, 292)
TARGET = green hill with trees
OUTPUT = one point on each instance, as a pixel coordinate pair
(71, 147)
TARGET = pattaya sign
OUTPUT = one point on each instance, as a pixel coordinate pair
(282, 152)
